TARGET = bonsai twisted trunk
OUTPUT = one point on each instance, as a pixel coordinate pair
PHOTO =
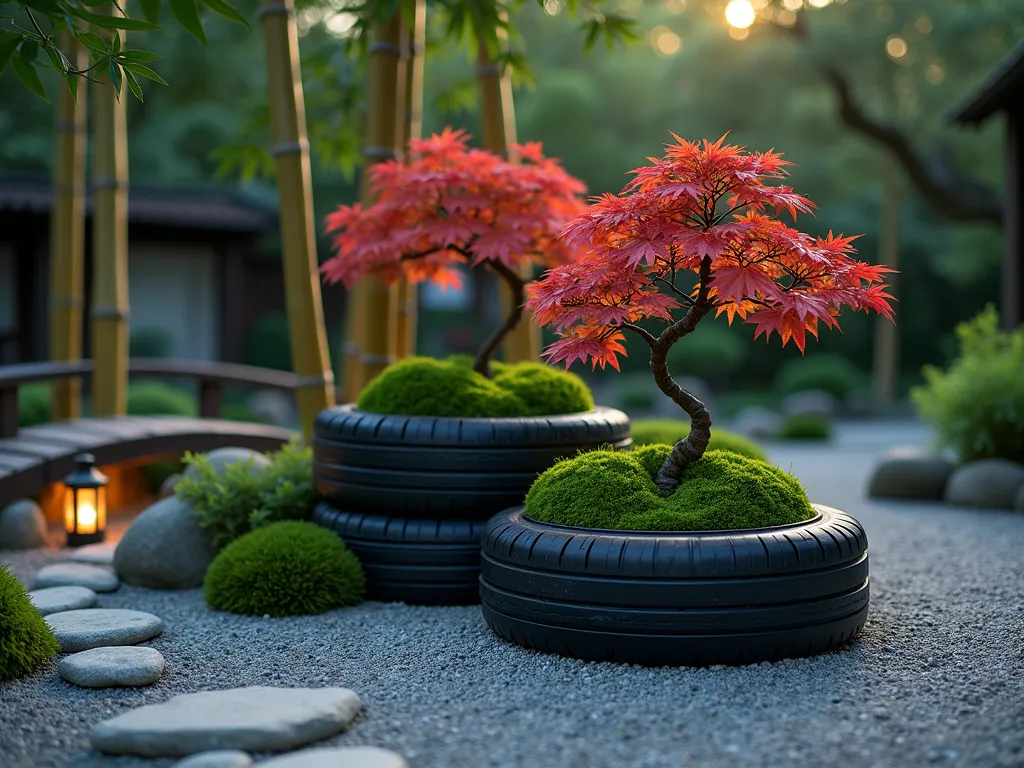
(482, 362)
(690, 449)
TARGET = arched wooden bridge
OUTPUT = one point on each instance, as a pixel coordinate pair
(33, 457)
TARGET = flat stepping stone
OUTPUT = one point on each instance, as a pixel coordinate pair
(95, 577)
(219, 758)
(58, 599)
(255, 719)
(96, 627)
(336, 757)
(119, 666)
(97, 554)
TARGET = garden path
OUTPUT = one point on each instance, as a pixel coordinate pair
(937, 677)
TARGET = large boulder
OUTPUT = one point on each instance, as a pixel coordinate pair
(168, 485)
(991, 483)
(809, 402)
(22, 525)
(758, 423)
(221, 458)
(910, 473)
(165, 548)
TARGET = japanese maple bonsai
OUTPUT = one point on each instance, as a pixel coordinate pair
(431, 449)
(690, 557)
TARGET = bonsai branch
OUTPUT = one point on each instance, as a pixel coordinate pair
(482, 363)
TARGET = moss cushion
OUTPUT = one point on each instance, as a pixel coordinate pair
(25, 638)
(616, 491)
(669, 431)
(290, 568)
(423, 386)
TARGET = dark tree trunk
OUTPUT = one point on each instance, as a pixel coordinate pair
(482, 363)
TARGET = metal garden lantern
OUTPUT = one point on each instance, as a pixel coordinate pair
(85, 502)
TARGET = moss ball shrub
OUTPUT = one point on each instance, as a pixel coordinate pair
(26, 641)
(236, 502)
(832, 373)
(424, 386)
(160, 399)
(616, 491)
(810, 426)
(976, 405)
(670, 431)
(290, 568)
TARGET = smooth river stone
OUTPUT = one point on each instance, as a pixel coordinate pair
(95, 577)
(97, 554)
(218, 758)
(59, 599)
(122, 666)
(97, 627)
(255, 719)
(338, 757)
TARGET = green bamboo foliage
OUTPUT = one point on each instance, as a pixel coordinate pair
(304, 302)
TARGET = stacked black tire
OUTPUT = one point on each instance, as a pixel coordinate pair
(694, 599)
(411, 495)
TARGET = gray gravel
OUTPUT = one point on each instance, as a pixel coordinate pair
(935, 679)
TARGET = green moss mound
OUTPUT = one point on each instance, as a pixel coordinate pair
(290, 568)
(423, 386)
(806, 427)
(25, 639)
(670, 431)
(615, 491)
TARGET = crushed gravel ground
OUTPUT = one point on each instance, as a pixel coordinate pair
(937, 677)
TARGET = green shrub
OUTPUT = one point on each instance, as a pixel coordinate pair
(268, 344)
(150, 342)
(423, 386)
(832, 373)
(284, 569)
(25, 639)
(976, 406)
(712, 354)
(810, 426)
(670, 431)
(237, 501)
(159, 399)
(616, 491)
(35, 404)
(158, 471)
(637, 394)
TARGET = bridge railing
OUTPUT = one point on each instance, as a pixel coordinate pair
(212, 378)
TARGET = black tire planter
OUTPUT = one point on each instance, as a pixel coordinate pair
(676, 599)
(417, 561)
(421, 466)
(411, 495)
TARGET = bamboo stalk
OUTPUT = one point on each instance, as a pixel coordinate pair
(110, 246)
(67, 236)
(404, 294)
(499, 131)
(303, 300)
(886, 353)
(371, 346)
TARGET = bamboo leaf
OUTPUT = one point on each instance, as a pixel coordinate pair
(133, 85)
(93, 42)
(72, 80)
(26, 72)
(116, 78)
(29, 50)
(57, 59)
(8, 45)
(228, 11)
(113, 22)
(136, 56)
(151, 10)
(593, 28)
(187, 14)
(143, 71)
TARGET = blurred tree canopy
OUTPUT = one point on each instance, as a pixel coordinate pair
(899, 63)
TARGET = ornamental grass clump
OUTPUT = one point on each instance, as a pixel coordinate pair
(26, 641)
(694, 233)
(290, 568)
(450, 206)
